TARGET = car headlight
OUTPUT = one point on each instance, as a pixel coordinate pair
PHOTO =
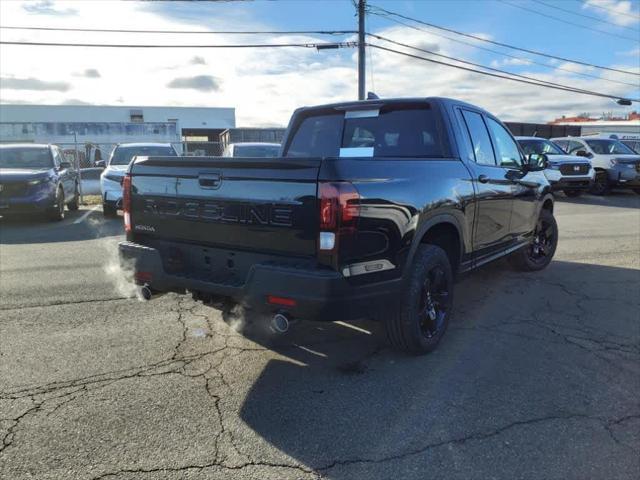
(37, 181)
(554, 166)
(613, 162)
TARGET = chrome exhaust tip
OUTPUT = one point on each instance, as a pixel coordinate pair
(280, 323)
(145, 293)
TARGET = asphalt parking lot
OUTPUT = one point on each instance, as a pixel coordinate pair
(538, 376)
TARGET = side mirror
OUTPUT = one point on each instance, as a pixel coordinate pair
(64, 165)
(583, 153)
(100, 164)
(536, 162)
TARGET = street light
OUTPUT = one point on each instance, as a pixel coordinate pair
(624, 102)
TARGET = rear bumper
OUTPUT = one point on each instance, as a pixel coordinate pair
(319, 294)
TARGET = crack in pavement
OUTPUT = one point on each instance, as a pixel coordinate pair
(478, 436)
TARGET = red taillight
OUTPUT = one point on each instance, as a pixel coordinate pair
(126, 202)
(339, 205)
(286, 302)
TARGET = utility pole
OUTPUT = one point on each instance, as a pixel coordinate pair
(361, 54)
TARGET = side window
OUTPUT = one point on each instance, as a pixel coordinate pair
(482, 149)
(563, 144)
(574, 146)
(56, 157)
(506, 147)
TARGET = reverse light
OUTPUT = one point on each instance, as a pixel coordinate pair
(126, 202)
(339, 211)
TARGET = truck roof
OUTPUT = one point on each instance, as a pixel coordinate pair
(364, 104)
(145, 144)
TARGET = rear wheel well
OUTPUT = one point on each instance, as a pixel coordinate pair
(445, 236)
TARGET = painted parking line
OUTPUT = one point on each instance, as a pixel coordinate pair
(85, 215)
(353, 327)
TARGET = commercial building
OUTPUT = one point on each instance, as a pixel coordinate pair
(97, 128)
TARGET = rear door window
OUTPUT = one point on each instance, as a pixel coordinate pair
(482, 148)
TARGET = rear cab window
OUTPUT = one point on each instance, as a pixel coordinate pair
(392, 131)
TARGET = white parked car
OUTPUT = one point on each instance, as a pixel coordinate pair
(572, 174)
(90, 180)
(113, 174)
(252, 149)
(616, 165)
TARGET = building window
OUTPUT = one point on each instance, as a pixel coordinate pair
(136, 116)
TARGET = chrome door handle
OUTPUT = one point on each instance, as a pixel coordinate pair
(483, 179)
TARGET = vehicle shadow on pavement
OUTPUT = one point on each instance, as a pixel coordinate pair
(15, 231)
(521, 348)
(619, 198)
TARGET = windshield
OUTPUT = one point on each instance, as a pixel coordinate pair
(25, 158)
(540, 146)
(256, 150)
(123, 155)
(609, 147)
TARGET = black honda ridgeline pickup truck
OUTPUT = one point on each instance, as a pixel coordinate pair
(371, 210)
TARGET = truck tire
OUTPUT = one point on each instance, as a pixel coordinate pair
(539, 253)
(601, 184)
(74, 204)
(56, 212)
(419, 322)
(572, 193)
(109, 211)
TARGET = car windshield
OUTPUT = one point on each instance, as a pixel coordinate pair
(609, 147)
(256, 150)
(25, 158)
(540, 146)
(123, 155)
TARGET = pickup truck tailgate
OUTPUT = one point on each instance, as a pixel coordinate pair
(263, 205)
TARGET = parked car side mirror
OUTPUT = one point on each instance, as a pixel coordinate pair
(583, 153)
(100, 164)
(536, 162)
(64, 165)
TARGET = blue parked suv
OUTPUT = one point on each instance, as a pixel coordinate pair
(36, 178)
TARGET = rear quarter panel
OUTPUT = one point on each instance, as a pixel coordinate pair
(400, 199)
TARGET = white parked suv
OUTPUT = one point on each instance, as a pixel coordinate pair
(616, 165)
(113, 174)
(572, 174)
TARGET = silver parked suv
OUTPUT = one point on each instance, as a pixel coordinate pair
(616, 165)
(572, 174)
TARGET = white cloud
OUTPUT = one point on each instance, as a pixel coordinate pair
(264, 85)
(620, 12)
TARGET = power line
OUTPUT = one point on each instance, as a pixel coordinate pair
(568, 22)
(438, 62)
(203, 32)
(500, 44)
(611, 10)
(477, 64)
(504, 54)
(319, 46)
(572, 12)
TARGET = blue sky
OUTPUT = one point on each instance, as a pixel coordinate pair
(266, 85)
